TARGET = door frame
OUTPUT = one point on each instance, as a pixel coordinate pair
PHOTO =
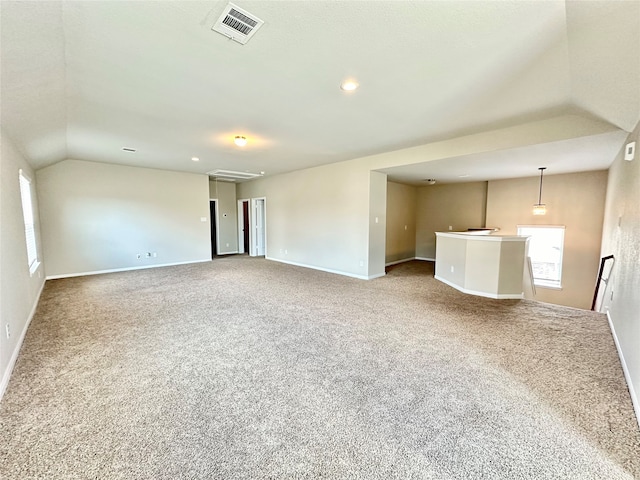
(241, 224)
(252, 225)
(217, 225)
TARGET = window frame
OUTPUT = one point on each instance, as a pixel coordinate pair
(545, 282)
(28, 215)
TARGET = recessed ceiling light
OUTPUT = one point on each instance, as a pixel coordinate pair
(195, 159)
(127, 149)
(349, 85)
(464, 176)
(240, 140)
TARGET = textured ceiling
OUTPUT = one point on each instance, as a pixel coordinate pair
(83, 79)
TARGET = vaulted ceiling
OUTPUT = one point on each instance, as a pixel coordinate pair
(83, 79)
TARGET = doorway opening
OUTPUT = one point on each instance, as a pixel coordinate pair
(213, 215)
(243, 226)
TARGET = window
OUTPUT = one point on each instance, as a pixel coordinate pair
(29, 223)
(545, 249)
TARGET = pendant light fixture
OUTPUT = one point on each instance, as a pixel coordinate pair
(540, 208)
(240, 140)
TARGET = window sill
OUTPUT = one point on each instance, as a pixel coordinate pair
(34, 268)
(548, 286)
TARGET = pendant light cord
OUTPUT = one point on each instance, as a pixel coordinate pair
(542, 169)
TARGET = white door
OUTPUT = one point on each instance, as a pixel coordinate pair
(258, 242)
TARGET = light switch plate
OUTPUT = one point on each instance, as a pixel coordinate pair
(630, 151)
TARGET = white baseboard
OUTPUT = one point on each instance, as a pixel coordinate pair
(114, 270)
(14, 356)
(328, 270)
(625, 369)
(396, 262)
(497, 296)
(424, 259)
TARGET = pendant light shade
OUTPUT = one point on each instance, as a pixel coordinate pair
(540, 208)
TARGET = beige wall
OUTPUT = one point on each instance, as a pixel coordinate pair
(574, 200)
(621, 238)
(225, 194)
(377, 224)
(401, 222)
(486, 265)
(98, 217)
(319, 217)
(19, 290)
(456, 205)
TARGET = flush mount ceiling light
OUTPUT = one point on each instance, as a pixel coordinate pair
(349, 85)
(240, 140)
(540, 208)
(195, 159)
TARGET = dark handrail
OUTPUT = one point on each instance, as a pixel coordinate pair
(595, 295)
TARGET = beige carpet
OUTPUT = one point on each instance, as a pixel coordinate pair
(248, 369)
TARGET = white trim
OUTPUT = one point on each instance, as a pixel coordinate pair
(252, 226)
(34, 268)
(216, 223)
(541, 282)
(241, 223)
(29, 216)
(328, 270)
(228, 253)
(126, 269)
(6, 376)
(627, 376)
(488, 238)
(497, 296)
(399, 261)
(548, 287)
(423, 259)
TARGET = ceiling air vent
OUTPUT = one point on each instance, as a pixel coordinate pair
(237, 24)
(230, 175)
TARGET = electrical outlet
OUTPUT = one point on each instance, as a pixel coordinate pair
(8, 330)
(451, 268)
(155, 254)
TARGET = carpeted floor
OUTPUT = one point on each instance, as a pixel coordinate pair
(248, 369)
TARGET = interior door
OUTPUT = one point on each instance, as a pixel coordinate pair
(259, 243)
